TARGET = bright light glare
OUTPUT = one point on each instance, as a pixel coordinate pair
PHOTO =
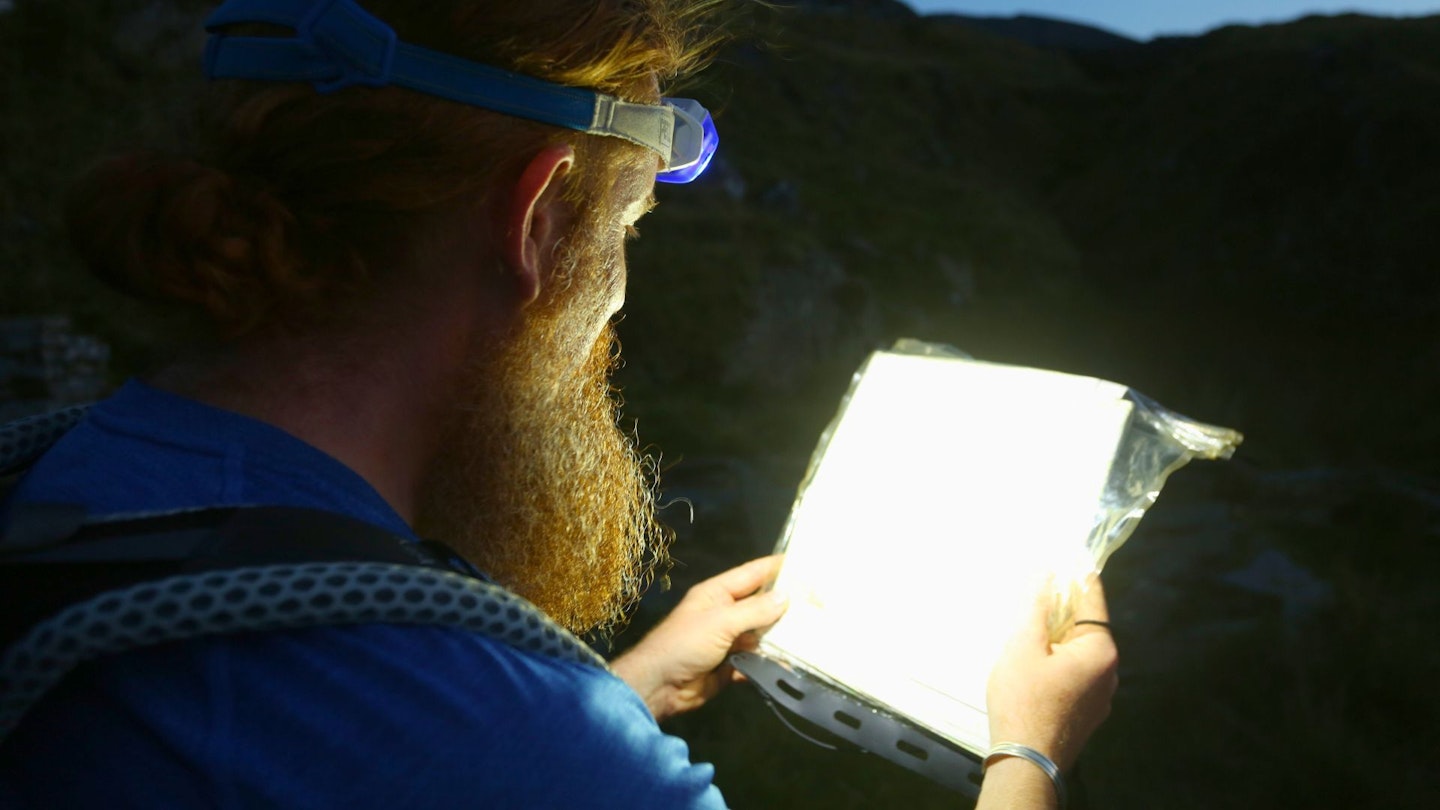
(948, 491)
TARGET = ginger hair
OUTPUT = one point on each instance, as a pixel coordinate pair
(294, 207)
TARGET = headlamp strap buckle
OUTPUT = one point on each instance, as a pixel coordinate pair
(337, 44)
(359, 46)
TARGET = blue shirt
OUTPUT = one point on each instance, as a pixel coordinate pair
(362, 716)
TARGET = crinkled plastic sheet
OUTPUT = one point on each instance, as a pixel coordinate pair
(1155, 443)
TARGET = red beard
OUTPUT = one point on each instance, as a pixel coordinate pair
(535, 482)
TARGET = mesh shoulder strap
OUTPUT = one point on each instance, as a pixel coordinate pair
(25, 440)
(270, 597)
(78, 589)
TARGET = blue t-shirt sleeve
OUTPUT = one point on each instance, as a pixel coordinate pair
(370, 716)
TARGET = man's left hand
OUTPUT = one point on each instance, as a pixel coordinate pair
(681, 663)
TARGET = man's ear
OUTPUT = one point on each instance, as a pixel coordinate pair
(536, 218)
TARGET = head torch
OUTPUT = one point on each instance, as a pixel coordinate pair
(338, 44)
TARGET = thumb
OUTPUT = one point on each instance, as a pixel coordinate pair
(756, 612)
(1034, 632)
(1092, 601)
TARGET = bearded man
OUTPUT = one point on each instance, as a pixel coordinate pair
(406, 262)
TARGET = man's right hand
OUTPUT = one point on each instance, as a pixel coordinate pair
(1050, 697)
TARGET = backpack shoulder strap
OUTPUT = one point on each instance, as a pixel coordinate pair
(54, 555)
(265, 598)
(78, 589)
(25, 440)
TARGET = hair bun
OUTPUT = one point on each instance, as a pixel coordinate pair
(170, 229)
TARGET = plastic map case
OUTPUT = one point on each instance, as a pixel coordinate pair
(943, 496)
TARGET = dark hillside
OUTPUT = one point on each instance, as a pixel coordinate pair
(1043, 32)
(1240, 224)
(1279, 182)
(1250, 202)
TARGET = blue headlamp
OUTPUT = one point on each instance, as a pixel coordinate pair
(338, 44)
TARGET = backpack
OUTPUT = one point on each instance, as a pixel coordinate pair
(78, 587)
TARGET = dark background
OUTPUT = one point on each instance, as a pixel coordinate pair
(1242, 225)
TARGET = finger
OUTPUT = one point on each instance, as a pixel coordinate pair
(1093, 651)
(1077, 631)
(745, 579)
(748, 641)
(1091, 605)
(1033, 630)
(756, 612)
(1090, 615)
(723, 676)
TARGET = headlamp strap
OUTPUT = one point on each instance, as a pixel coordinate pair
(338, 44)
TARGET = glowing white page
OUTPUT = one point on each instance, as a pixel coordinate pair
(948, 489)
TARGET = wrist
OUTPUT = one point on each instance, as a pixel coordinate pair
(1015, 756)
(642, 677)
